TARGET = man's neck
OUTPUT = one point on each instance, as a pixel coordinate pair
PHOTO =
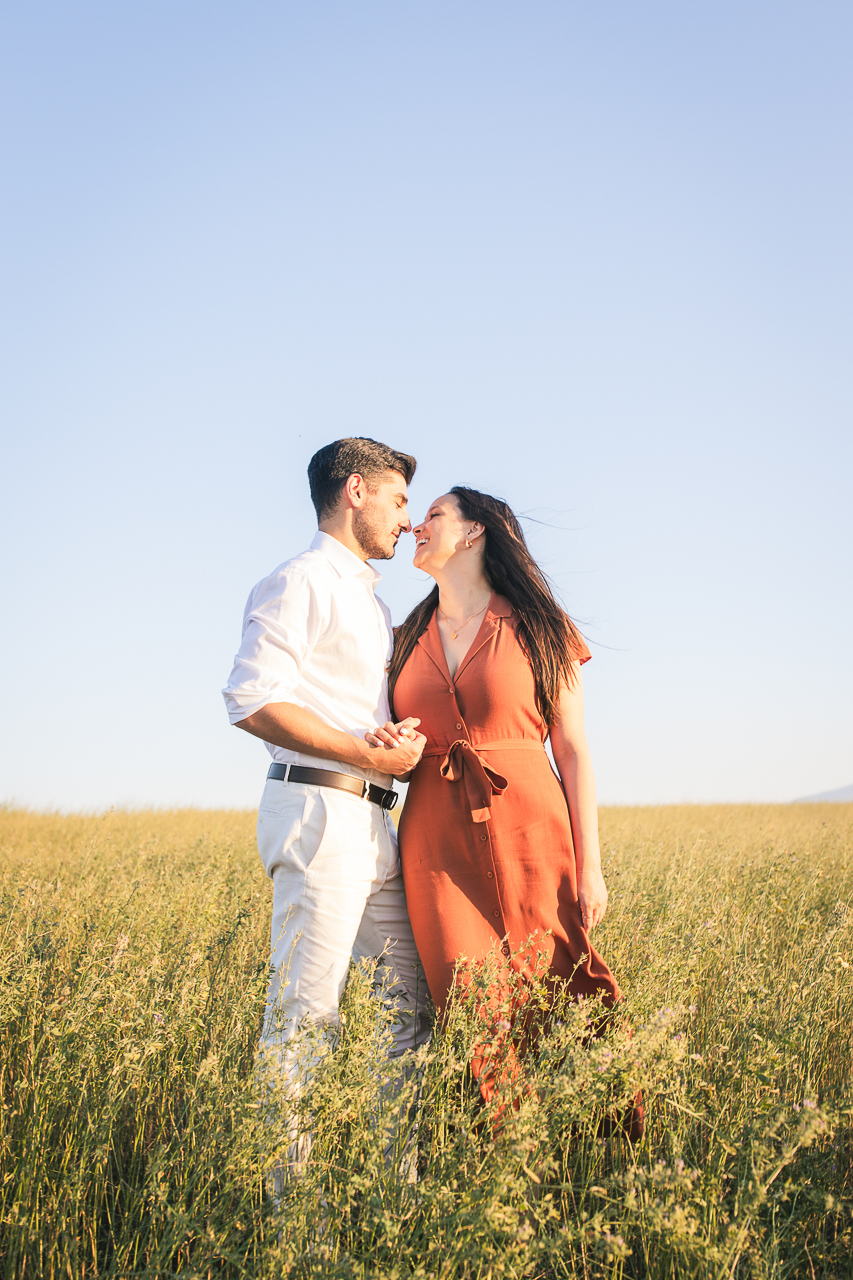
(341, 531)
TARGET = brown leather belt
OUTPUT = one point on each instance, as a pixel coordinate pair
(339, 781)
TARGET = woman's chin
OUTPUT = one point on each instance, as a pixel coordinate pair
(422, 563)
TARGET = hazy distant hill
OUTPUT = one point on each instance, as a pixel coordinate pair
(842, 794)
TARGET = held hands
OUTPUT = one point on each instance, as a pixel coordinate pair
(401, 746)
(592, 897)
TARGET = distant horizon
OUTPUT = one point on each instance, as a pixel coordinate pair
(11, 807)
(840, 795)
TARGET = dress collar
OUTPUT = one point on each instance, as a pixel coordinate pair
(430, 640)
(346, 562)
(499, 607)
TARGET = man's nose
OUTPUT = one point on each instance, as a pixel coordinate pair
(407, 527)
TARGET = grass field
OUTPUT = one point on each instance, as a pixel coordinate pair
(134, 1143)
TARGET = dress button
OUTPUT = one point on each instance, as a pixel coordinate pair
(496, 913)
(490, 874)
(459, 726)
(484, 836)
(450, 688)
(505, 949)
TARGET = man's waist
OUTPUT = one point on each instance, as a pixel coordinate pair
(282, 755)
(386, 798)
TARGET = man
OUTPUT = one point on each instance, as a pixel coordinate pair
(310, 679)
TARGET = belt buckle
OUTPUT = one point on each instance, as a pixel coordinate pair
(389, 799)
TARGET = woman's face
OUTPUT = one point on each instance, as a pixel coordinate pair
(440, 535)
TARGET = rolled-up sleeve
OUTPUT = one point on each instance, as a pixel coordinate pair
(282, 622)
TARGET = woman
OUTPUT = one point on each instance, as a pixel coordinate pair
(494, 846)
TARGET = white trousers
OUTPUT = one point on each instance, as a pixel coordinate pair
(337, 894)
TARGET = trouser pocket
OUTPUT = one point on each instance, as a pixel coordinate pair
(291, 825)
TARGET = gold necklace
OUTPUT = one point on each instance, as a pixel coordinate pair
(467, 620)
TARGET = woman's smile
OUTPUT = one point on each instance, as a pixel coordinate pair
(446, 533)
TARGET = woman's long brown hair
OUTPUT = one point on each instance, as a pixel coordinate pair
(550, 639)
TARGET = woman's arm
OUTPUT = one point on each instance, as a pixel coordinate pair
(571, 754)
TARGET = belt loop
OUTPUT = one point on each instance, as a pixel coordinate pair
(286, 773)
(365, 788)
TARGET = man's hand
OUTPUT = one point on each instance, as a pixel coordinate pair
(400, 744)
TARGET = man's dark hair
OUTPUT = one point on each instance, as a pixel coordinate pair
(331, 467)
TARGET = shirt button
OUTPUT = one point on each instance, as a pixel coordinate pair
(496, 913)
(484, 836)
(490, 874)
(459, 726)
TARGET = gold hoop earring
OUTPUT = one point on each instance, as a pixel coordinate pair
(467, 544)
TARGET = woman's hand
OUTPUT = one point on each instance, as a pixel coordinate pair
(592, 896)
(401, 745)
(392, 735)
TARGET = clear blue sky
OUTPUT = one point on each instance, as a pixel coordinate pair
(595, 258)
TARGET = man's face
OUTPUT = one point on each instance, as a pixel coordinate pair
(378, 523)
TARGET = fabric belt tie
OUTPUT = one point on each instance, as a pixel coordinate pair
(481, 782)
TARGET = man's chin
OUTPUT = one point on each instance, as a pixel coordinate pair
(379, 553)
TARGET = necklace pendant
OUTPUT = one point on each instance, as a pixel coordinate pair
(454, 634)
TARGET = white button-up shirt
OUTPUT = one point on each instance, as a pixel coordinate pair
(315, 634)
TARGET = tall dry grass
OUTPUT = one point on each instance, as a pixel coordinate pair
(134, 1141)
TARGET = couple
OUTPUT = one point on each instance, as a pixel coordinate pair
(494, 846)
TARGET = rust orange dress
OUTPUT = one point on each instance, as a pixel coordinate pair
(485, 836)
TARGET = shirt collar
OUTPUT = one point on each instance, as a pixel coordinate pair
(347, 563)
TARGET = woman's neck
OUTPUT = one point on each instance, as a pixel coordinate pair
(462, 590)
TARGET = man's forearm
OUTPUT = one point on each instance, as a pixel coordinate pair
(286, 725)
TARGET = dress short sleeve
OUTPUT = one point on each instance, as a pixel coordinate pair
(580, 652)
